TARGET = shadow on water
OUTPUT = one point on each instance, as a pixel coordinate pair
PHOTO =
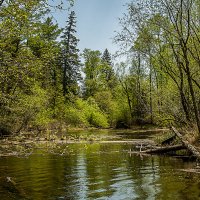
(96, 171)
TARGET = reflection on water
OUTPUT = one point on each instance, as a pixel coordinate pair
(96, 171)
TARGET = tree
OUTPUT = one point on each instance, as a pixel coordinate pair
(107, 69)
(59, 5)
(184, 33)
(70, 57)
(28, 51)
(180, 35)
(166, 34)
(53, 73)
(91, 69)
(106, 57)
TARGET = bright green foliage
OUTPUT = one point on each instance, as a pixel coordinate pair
(84, 113)
(28, 64)
(163, 41)
(18, 73)
(91, 69)
(100, 82)
(109, 105)
(40, 79)
(94, 115)
(33, 74)
(75, 116)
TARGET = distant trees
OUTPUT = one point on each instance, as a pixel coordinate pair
(91, 69)
(100, 83)
(99, 71)
(107, 69)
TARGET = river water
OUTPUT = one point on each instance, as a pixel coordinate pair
(97, 171)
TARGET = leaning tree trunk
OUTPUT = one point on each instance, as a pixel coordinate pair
(185, 143)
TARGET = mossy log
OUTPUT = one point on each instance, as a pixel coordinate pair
(185, 143)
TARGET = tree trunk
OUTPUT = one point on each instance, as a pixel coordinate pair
(184, 105)
(150, 91)
(185, 143)
(192, 95)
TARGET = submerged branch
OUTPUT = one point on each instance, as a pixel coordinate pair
(165, 149)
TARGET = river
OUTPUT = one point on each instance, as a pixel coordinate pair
(103, 171)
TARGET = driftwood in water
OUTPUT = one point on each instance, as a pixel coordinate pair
(185, 143)
(165, 149)
(12, 187)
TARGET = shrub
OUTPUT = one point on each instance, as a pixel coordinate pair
(92, 113)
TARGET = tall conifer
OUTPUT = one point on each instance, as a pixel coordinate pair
(107, 62)
(70, 57)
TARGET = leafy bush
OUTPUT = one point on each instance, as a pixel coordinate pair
(25, 108)
(92, 113)
(81, 113)
(74, 117)
(108, 105)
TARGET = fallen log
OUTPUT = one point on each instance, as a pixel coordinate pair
(165, 149)
(185, 143)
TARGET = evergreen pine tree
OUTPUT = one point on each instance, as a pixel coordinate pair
(107, 57)
(70, 57)
(107, 62)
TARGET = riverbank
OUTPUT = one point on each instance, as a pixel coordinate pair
(144, 141)
(22, 145)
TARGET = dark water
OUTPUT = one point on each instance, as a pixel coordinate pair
(96, 171)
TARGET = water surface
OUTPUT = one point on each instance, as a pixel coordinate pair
(97, 171)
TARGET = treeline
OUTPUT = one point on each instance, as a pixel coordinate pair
(44, 84)
(163, 40)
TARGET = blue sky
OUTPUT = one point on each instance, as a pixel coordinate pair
(96, 22)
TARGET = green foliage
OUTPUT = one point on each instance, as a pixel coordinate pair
(25, 108)
(40, 75)
(91, 69)
(80, 113)
(92, 113)
(162, 85)
(75, 117)
(29, 50)
(109, 105)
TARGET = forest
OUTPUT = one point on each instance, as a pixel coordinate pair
(46, 82)
(91, 124)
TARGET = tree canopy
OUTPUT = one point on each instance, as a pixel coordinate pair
(45, 79)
